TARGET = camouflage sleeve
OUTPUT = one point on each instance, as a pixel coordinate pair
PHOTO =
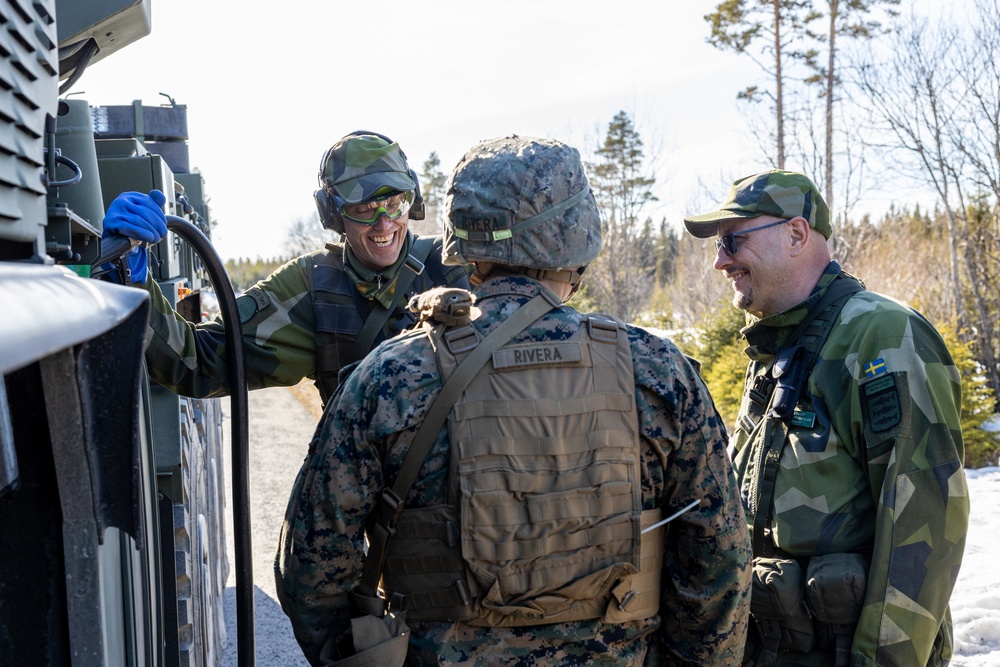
(277, 321)
(321, 552)
(706, 570)
(906, 405)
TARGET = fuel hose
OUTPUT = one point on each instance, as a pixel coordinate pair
(236, 378)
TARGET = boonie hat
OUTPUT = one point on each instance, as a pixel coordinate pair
(358, 166)
(784, 194)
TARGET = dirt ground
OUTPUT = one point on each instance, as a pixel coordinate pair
(281, 423)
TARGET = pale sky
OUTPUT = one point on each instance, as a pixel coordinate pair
(270, 86)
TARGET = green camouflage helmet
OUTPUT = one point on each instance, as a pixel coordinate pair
(362, 163)
(783, 194)
(521, 202)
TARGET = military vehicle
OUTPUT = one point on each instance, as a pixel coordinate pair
(112, 532)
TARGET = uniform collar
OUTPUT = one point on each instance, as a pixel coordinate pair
(509, 285)
(765, 336)
(379, 285)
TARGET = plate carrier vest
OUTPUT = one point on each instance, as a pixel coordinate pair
(545, 511)
(342, 315)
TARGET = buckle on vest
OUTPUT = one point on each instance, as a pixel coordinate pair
(603, 330)
(628, 598)
(387, 510)
(789, 372)
(395, 603)
(461, 339)
(414, 264)
(747, 423)
(462, 588)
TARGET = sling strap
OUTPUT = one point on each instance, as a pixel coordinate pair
(365, 598)
(789, 372)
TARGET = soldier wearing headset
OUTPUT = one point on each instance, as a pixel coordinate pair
(319, 312)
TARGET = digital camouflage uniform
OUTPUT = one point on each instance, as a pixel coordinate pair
(872, 465)
(278, 318)
(358, 450)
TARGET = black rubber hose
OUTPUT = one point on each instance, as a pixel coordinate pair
(236, 377)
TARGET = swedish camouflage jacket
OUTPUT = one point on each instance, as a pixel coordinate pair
(282, 322)
(360, 446)
(872, 465)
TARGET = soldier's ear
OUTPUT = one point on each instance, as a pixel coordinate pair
(799, 234)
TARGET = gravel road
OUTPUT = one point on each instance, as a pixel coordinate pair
(280, 427)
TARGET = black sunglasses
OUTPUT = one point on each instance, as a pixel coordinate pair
(727, 242)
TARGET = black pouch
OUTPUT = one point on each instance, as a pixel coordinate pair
(835, 589)
(777, 603)
(789, 372)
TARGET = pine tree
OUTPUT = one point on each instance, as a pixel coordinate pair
(432, 184)
(982, 447)
(773, 26)
(620, 280)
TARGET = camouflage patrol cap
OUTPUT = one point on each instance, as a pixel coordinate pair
(784, 194)
(361, 164)
(522, 202)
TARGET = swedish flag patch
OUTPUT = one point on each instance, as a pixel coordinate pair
(875, 367)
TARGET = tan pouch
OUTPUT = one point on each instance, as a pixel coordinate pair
(378, 642)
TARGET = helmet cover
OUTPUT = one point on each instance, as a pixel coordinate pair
(521, 202)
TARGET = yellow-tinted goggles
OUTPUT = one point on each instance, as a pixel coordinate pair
(369, 212)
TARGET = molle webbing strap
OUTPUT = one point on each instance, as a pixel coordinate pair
(415, 263)
(527, 550)
(528, 408)
(811, 334)
(338, 316)
(391, 501)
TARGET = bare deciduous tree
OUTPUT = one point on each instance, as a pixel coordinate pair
(306, 234)
(936, 96)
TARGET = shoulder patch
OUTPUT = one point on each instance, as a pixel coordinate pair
(247, 307)
(252, 302)
(882, 407)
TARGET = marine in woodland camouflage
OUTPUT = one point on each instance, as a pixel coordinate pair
(278, 321)
(360, 446)
(873, 465)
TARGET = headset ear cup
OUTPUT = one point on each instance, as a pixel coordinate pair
(328, 214)
(417, 210)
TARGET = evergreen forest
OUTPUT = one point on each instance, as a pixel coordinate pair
(850, 92)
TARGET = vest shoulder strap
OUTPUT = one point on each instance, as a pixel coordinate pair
(412, 267)
(796, 359)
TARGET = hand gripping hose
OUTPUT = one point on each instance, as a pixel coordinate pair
(236, 378)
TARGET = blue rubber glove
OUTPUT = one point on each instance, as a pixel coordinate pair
(137, 216)
(141, 217)
(138, 264)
